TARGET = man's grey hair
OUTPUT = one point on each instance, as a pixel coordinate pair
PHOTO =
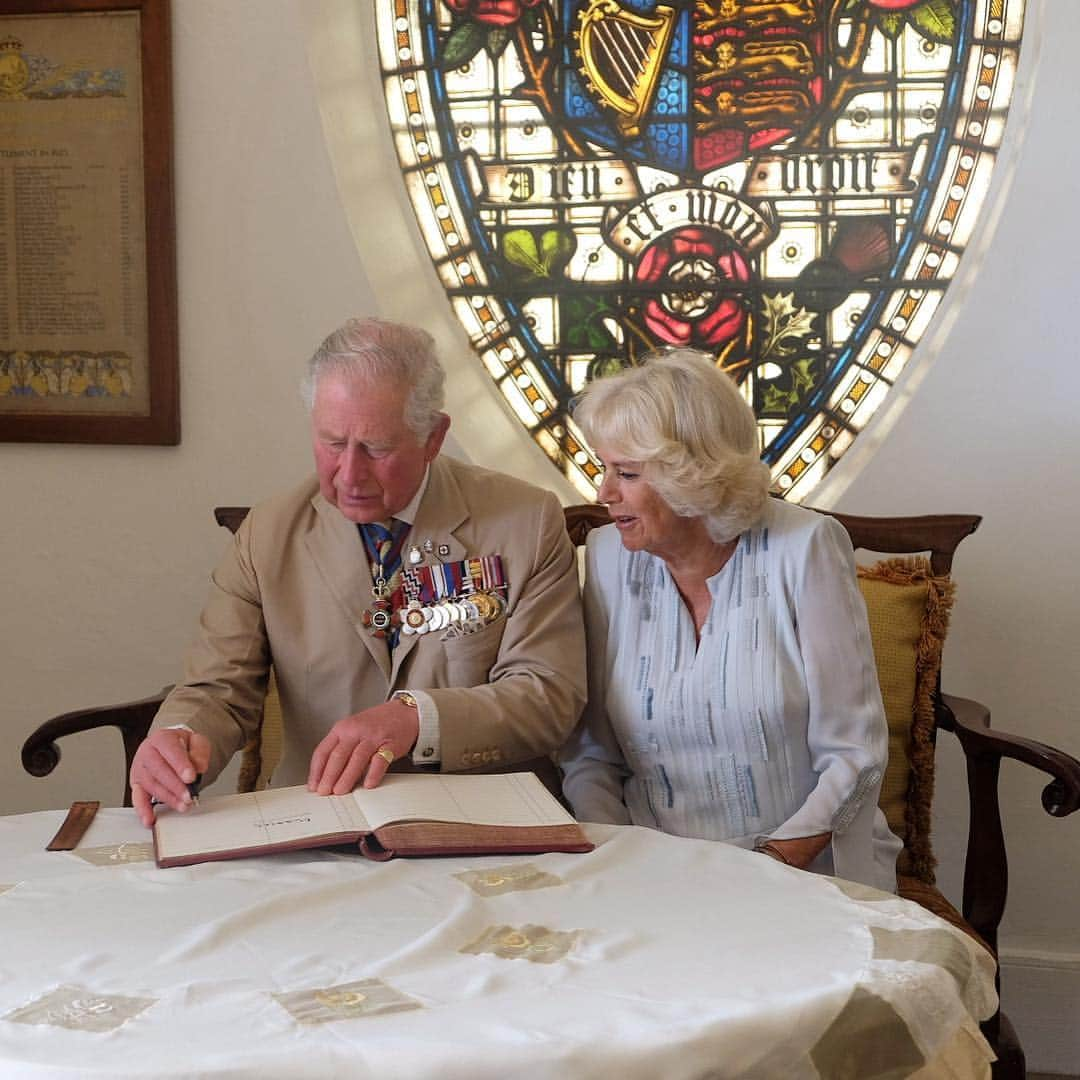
(377, 349)
(691, 429)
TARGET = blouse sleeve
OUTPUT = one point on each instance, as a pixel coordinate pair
(594, 770)
(847, 733)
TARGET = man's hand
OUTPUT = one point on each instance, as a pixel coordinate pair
(363, 744)
(167, 761)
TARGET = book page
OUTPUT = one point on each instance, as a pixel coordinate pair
(257, 819)
(490, 799)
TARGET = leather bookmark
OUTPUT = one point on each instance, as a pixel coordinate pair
(75, 825)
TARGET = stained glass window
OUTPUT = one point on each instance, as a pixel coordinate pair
(788, 184)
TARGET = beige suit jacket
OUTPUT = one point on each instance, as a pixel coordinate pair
(292, 590)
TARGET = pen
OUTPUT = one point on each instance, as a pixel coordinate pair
(193, 791)
(193, 788)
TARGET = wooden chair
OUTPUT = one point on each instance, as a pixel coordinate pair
(912, 738)
(912, 741)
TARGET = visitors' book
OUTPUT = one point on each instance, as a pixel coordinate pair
(407, 814)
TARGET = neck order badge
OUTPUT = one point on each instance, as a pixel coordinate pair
(383, 548)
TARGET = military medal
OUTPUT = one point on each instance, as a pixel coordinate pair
(379, 618)
(412, 619)
(451, 598)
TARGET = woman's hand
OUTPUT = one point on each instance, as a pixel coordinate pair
(799, 852)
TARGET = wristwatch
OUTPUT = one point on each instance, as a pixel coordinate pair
(430, 739)
(406, 698)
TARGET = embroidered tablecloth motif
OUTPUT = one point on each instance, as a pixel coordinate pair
(117, 854)
(80, 1009)
(346, 1001)
(504, 879)
(535, 943)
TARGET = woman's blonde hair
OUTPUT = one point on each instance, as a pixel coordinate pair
(691, 429)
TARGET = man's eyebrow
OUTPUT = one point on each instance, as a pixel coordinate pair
(326, 435)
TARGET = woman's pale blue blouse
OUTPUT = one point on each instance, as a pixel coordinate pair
(770, 725)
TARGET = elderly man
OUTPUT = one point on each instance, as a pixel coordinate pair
(410, 604)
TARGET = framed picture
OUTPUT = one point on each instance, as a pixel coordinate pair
(88, 338)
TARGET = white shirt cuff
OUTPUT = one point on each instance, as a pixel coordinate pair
(428, 749)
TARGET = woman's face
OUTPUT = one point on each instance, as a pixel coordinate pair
(644, 520)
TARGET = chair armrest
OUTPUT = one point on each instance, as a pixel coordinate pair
(40, 754)
(986, 868)
(1061, 796)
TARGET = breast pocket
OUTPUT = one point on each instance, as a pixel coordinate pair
(470, 657)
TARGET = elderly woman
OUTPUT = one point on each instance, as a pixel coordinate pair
(732, 688)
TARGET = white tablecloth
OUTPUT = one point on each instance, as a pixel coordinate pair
(653, 956)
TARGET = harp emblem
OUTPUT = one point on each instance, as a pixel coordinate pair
(692, 88)
(622, 57)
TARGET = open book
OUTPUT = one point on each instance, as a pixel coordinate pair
(407, 814)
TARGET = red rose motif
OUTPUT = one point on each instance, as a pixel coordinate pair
(687, 266)
(894, 5)
(492, 12)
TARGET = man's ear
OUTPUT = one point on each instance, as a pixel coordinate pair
(435, 440)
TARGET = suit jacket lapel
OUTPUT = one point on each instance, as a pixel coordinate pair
(337, 549)
(441, 511)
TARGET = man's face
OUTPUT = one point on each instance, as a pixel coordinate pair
(368, 460)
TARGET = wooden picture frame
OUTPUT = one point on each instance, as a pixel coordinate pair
(88, 303)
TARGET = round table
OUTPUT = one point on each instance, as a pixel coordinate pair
(651, 956)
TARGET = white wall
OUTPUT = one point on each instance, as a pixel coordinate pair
(108, 548)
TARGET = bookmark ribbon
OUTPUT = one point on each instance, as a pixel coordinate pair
(74, 828)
